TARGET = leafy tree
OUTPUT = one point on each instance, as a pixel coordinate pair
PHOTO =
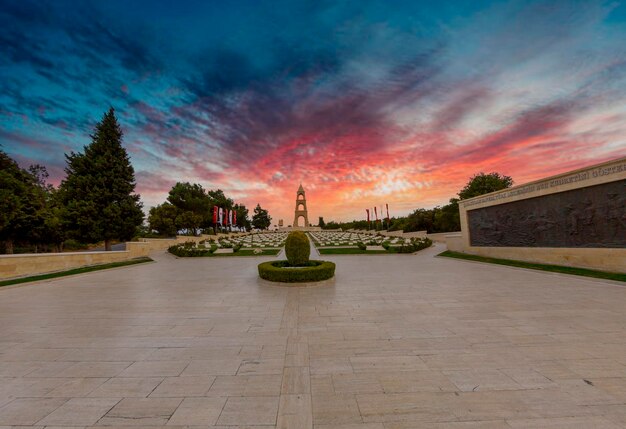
(53, 227)
(47, 228)
(482, 183)
(188, 197)
(331, 225)
(355, 224)
(242, 216)
(162, 219)
(261, 218)
(99, 190)
(447, 217)
(189, 221)
(420, 220)
(189, 207)
(17, 189)
(321, 222)
(40, 176)
(219, 199)
(192, 206)
(397, 223)
(29, 207)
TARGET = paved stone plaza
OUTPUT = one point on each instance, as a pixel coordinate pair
(395, 341)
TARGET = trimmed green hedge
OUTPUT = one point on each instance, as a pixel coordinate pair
(313, 271)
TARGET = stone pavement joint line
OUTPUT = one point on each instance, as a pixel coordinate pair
(394, 342)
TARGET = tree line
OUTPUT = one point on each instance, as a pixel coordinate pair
(96, 201)
(438, 219)
(189, 209)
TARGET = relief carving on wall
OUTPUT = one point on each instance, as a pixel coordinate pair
(593, 216)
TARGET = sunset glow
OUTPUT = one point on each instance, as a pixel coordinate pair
(364, 103)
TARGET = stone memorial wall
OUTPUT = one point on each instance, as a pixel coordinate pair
(575, 219)
(593, 216)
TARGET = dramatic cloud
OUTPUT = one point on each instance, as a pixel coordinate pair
(363, 103)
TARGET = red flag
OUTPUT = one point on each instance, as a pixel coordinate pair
(368, 215)
(234, 217)
(215, 211)
(387, 205)
(376, 213)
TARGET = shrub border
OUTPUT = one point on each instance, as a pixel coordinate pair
(415, 245)
(272, 271)
(183, 251)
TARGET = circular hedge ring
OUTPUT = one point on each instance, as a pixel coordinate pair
(281, 271)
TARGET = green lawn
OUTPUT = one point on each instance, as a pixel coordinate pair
(542, 267)
(350, 251)
(74, 271)
(241, 252)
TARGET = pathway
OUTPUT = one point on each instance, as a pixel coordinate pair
(393, 342)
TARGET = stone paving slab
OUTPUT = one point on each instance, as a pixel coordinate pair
(393, 342)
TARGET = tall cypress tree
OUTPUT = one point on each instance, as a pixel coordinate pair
(99, 191)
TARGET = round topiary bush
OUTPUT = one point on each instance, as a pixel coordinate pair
(282, 271)
(297, 248)
(297, 268)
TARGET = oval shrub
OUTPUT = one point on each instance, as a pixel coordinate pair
(313, 271)
(297, 248)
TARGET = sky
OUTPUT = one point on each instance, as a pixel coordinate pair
(363, 102)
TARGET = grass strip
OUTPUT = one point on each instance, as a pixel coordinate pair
(74, 271)
(350, 251)
(585, 272)
(249, 252)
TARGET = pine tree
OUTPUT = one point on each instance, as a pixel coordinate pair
(99, 191)
(261, 218)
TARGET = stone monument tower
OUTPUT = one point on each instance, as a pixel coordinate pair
(301, 209)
